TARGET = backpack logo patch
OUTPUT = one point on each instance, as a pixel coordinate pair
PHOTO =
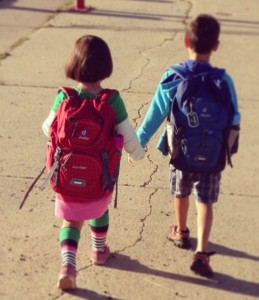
(83, 135)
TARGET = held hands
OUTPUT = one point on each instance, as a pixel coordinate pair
(130, 160)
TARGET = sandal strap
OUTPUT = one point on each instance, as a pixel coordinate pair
(204, 256)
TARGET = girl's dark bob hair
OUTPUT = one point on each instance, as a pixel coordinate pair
(90, 60)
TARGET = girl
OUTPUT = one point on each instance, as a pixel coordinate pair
(89, 64)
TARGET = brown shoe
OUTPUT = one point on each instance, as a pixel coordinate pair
(200, 264)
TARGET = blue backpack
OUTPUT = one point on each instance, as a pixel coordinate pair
(201, 114)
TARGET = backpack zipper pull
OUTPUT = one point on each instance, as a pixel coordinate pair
(191, 107)
(74, 130)
(67, 159)
(192, 117)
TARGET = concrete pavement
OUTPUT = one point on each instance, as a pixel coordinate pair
(144, 37)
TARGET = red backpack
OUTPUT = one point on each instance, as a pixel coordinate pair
(83, 155)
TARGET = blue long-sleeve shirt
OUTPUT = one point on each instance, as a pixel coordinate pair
(160, 106)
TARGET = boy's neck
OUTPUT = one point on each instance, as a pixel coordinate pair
(199, 57)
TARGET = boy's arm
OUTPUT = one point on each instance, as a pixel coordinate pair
(236, 116)
(157, 111)
(233, 139)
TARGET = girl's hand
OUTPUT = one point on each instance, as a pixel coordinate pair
(130, 160)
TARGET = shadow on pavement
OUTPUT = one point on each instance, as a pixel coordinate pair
(223, 250)
(219, 281)
(6, 3)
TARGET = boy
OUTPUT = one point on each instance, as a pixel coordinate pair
(201, 39)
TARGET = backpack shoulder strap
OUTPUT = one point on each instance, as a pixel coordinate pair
(217, 72)
(69, 92)
(107, 95)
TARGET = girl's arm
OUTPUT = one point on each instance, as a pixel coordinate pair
(46, 124)
(131, 142)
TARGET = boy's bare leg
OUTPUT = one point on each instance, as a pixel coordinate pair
(181, 211)
(204, 224)
(200, 264)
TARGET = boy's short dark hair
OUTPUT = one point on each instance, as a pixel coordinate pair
(203, 33)
(90, 60)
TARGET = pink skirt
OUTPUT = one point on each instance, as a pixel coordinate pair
(80, 211)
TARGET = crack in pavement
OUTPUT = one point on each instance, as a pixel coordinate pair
(142, 220)
(136, 120)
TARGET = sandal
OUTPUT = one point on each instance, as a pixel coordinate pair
(181, 238)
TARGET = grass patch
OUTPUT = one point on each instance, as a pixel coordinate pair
(4, 55)
(66, 6)
(19, 42)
